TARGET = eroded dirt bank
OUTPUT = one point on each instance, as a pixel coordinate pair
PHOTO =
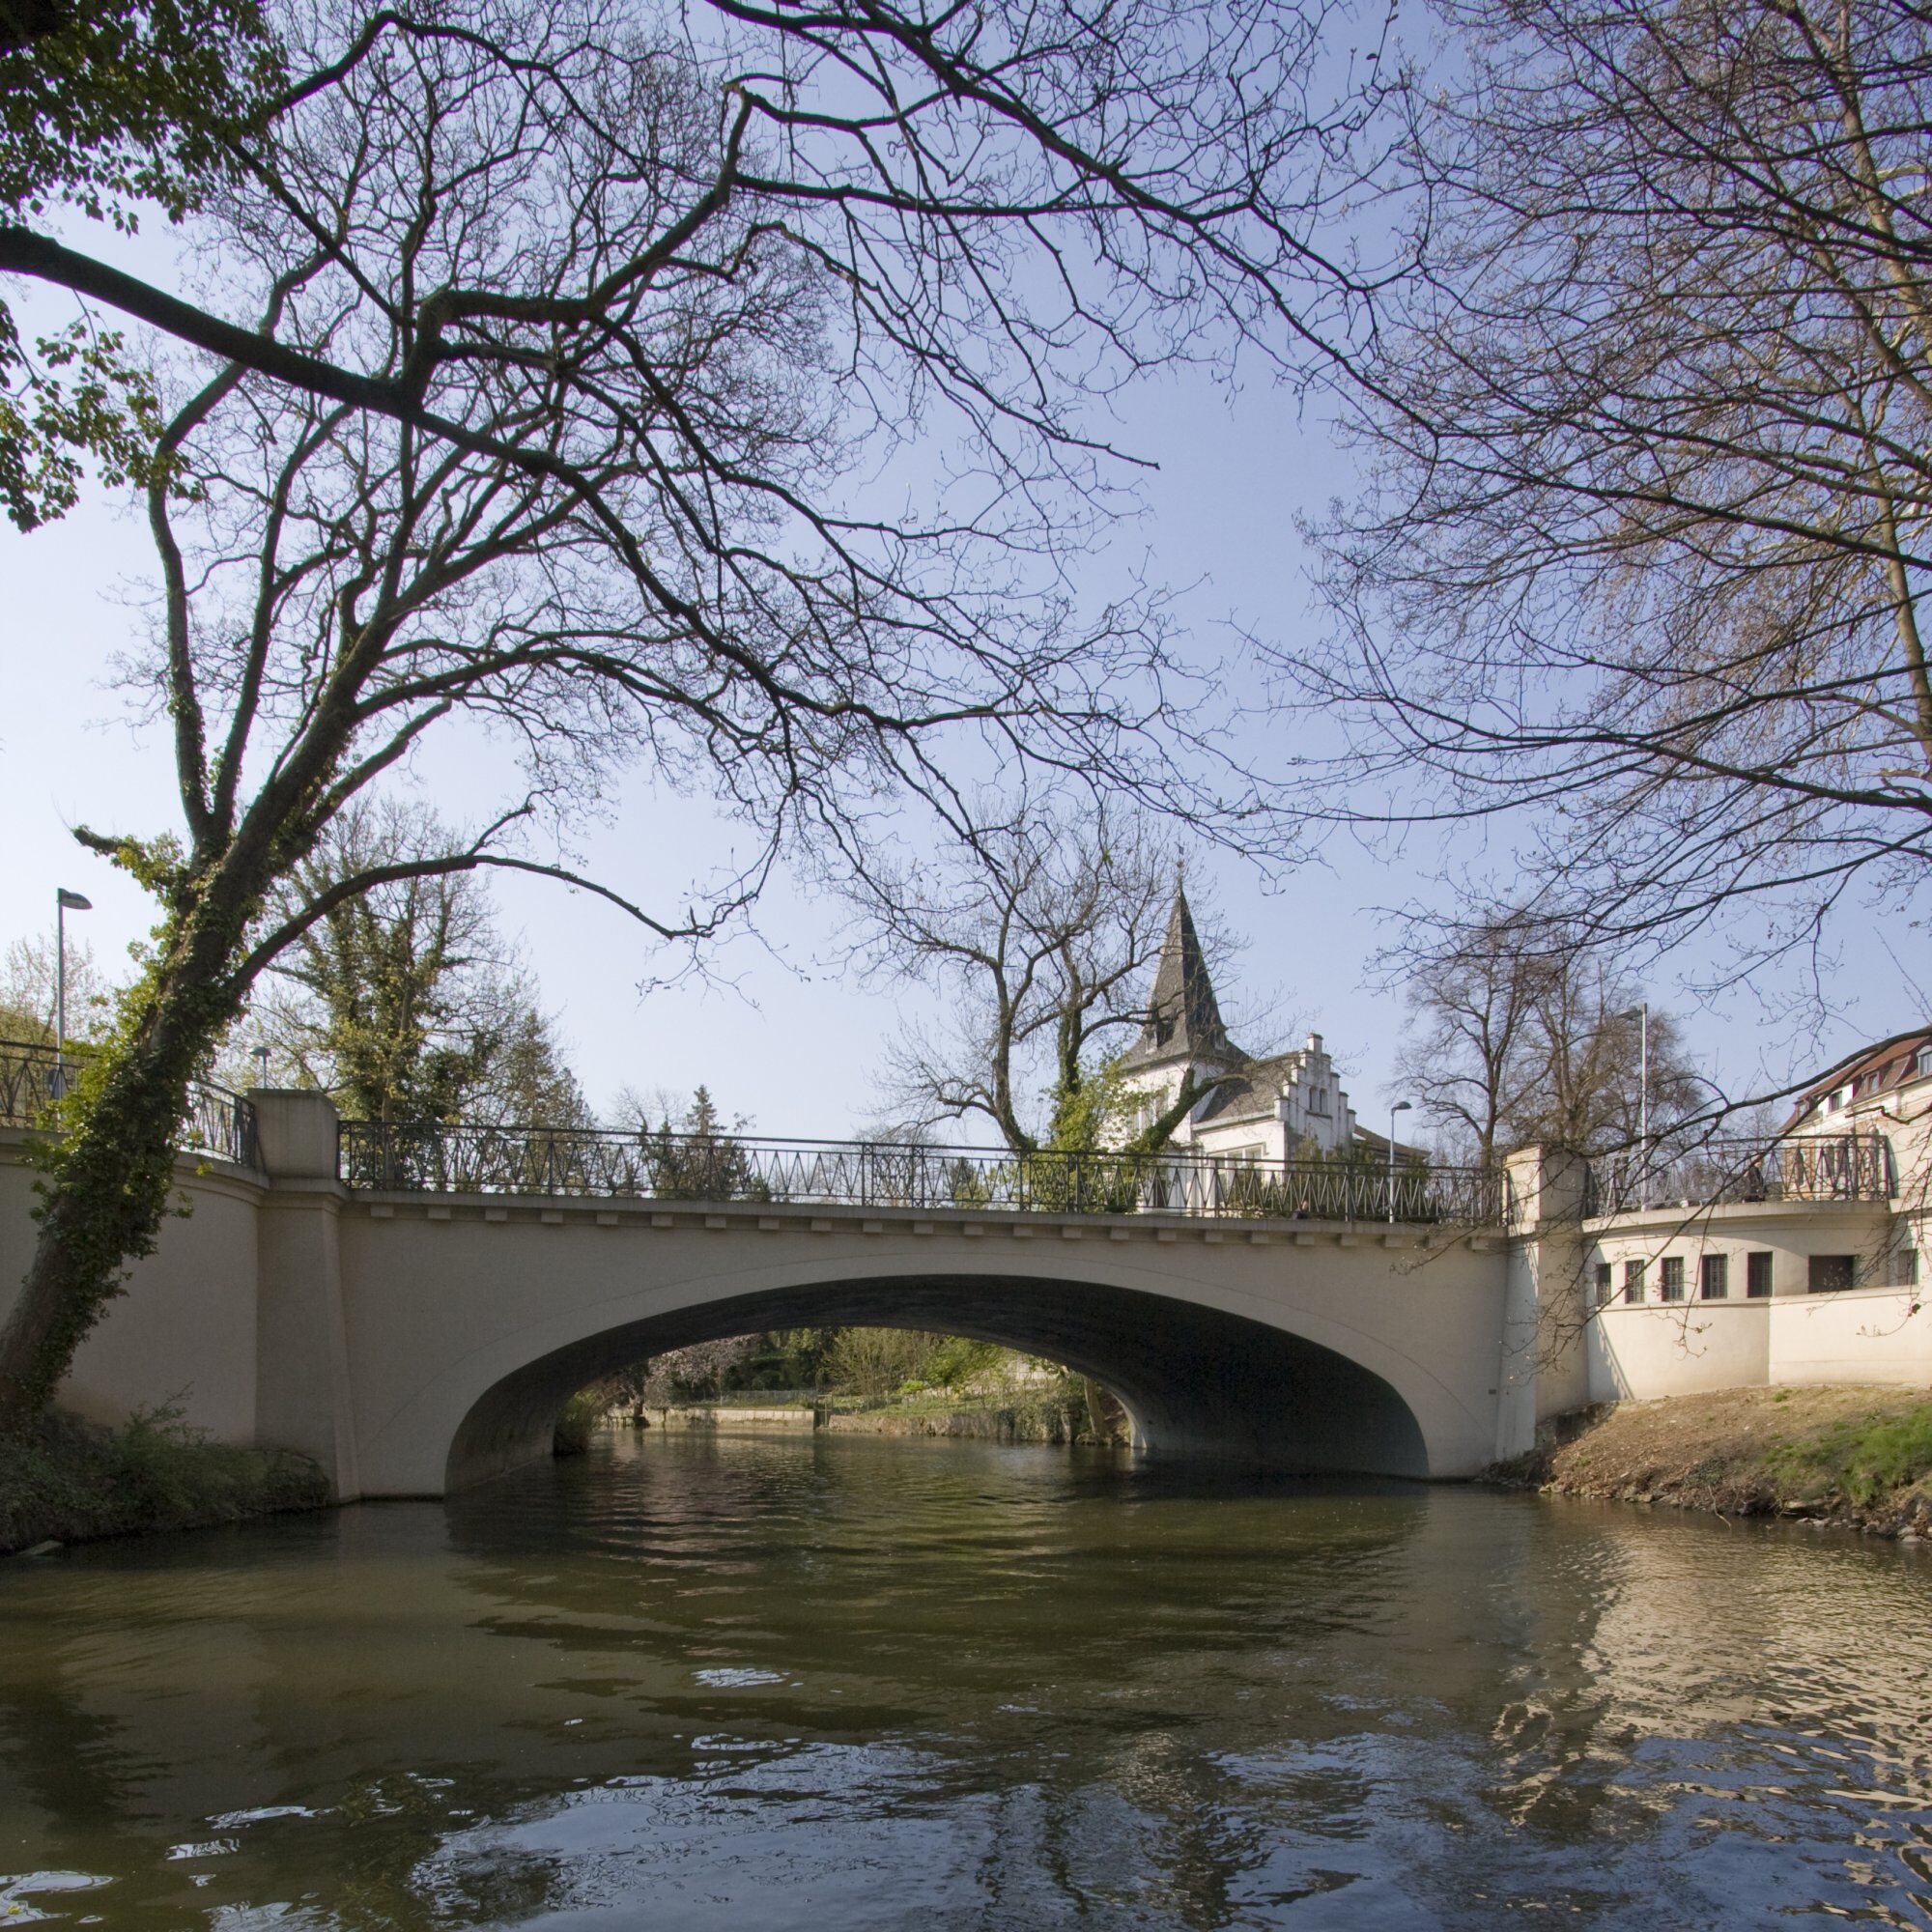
(1853, 1458)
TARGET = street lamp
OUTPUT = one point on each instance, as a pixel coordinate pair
(260, 1065)
(1642, 1014)
(1399, 1107)
(64, 903)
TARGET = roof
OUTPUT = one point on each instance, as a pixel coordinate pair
(1870, 1070)
(1184, 1020)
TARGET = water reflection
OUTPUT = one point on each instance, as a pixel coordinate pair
(767, 1683)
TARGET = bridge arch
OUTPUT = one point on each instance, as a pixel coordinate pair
(465, 1335)
(1194, 1379)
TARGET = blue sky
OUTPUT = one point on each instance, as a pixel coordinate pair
(781, 1033)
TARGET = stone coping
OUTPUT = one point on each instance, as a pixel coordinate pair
(1670, 1217)
(781, 1218)
(207, 1171)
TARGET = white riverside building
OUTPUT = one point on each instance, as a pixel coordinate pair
(1805, 1268)
(1808, 1268)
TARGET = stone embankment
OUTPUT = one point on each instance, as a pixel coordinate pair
(1839, 1457)
(1045, 1421)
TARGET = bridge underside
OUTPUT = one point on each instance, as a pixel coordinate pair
(1195, 1381)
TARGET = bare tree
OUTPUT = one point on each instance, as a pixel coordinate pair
(1517, 1039)
(1649, 456)
(645, 330)
(999, 197)
(27, 992)
(1039, 935)
(1466, 1055)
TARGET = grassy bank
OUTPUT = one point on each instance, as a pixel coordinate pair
(77, 1481)
(1858, 1458)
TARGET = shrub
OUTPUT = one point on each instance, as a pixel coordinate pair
(75, 1480)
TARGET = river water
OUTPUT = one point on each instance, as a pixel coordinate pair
(760, 1683)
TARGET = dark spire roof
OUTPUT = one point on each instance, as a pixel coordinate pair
(1184, 1020)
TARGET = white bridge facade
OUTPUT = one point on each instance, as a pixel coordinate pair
(415, 1338)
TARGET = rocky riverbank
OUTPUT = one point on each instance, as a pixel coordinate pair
(1843, 1458)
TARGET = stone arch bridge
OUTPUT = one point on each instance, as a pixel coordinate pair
(413, 1312)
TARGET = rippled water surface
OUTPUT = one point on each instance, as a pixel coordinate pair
(773, 1682)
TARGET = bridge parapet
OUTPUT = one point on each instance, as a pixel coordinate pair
(33, 1076)
(433, 1157)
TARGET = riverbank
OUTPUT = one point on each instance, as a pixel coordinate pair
(76, 1482)
(1848, 1457)
(1049, 1418)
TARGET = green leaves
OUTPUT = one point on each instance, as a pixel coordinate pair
(105, 105)
(78, 396)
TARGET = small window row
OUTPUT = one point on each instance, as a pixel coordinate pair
(1825, 1274)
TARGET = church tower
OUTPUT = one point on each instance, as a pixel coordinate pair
(1184, 1023)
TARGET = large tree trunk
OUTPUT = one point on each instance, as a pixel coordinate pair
(111, 1170)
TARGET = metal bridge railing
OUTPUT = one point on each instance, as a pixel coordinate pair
(217, 1122)
(416, 1158)
(1825, 1167)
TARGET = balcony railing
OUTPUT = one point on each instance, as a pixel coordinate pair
(1823, 1168)
(217, 1122)
(463, 1159)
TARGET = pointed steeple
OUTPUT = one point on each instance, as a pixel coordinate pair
(1184, 1018)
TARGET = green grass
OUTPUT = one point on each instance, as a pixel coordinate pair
(1865, 1457)
(76, 1481)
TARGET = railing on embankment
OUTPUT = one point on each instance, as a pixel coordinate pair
(417, 1157)
(1724, 1171)
(33, 1077)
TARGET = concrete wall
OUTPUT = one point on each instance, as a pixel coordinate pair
(1685, 1349)
(187, 1330)
(1878, 1334)
(1868, 1335)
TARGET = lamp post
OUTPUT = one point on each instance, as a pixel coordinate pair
(261, 1053)
(64, 903)
(1642, 1014)
(1399, 1107)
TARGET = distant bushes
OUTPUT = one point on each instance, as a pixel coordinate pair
(75, 1480)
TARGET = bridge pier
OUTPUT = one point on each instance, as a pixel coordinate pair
(1544, 1365)
(304, 1393)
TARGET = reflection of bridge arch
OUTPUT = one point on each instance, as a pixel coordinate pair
(1191, 1376)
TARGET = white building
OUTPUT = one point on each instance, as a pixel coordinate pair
(1882, 1089)
(1280, 1108)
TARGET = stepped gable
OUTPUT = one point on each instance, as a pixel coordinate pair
(1184, 1020)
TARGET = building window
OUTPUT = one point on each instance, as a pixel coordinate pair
(1672, 1288)
(1757, 1274)
(1633, 1281)
(1713, 1277)
(1318, 1099)
(1924, 1062)
(1830, 1273)
(1605, 1292)
(1905, 1268)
